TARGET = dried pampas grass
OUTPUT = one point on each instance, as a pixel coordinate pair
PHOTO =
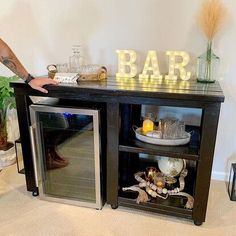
(211, 17)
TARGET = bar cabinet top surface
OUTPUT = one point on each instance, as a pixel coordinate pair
(131, 87)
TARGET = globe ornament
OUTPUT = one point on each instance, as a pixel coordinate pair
(171, 166)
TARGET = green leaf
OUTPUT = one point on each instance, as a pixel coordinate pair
(6, 96)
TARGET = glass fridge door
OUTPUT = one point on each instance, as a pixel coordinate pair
(68, 154)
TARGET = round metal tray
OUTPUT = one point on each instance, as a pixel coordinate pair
(161, 141)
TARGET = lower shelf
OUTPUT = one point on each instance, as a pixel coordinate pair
(167, 207)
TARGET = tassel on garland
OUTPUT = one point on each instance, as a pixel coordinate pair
(142, 197)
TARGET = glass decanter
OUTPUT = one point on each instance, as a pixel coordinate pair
(75, 59)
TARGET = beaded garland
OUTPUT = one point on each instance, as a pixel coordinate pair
(154, 191)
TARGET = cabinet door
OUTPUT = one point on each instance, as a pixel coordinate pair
(68, 147)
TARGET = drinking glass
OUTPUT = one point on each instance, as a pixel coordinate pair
(63, 68)
(168, 129)
(89, 69)
(181, 130)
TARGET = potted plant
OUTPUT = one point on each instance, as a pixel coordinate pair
(7, 101)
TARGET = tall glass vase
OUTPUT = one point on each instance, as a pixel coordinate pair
(207, 66)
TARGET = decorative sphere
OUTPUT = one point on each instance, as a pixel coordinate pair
(170, 166)
(164, 191)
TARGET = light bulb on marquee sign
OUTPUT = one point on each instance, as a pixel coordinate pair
(151, 65)
(173, 65)
(128, 69)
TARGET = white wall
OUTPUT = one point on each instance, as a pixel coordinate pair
(42, 32)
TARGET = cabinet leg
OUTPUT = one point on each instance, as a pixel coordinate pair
(114, 206)
(197, 223)
(112, 154)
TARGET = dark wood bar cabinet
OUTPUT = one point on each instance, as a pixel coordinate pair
(124, 99)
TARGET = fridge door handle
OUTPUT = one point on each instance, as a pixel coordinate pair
(34, 154)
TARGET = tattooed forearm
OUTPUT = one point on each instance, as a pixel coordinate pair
(10, 64)
(8, 58)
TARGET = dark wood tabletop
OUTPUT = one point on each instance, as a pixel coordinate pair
(134, 87)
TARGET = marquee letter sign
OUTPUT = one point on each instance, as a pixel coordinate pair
(127, 67)
(173, 65)
(151, 65)
(178, 60)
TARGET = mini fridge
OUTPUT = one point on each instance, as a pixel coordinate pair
(66, 151)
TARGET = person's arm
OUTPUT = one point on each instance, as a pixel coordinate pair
(8, 58)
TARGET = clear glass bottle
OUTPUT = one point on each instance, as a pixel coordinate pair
(75, 59)
(207, 66)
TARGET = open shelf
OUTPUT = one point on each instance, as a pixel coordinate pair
(189, 151)
(130, 163)
(185, 152)
(169, 206)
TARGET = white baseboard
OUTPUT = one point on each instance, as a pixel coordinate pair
(217, 175)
